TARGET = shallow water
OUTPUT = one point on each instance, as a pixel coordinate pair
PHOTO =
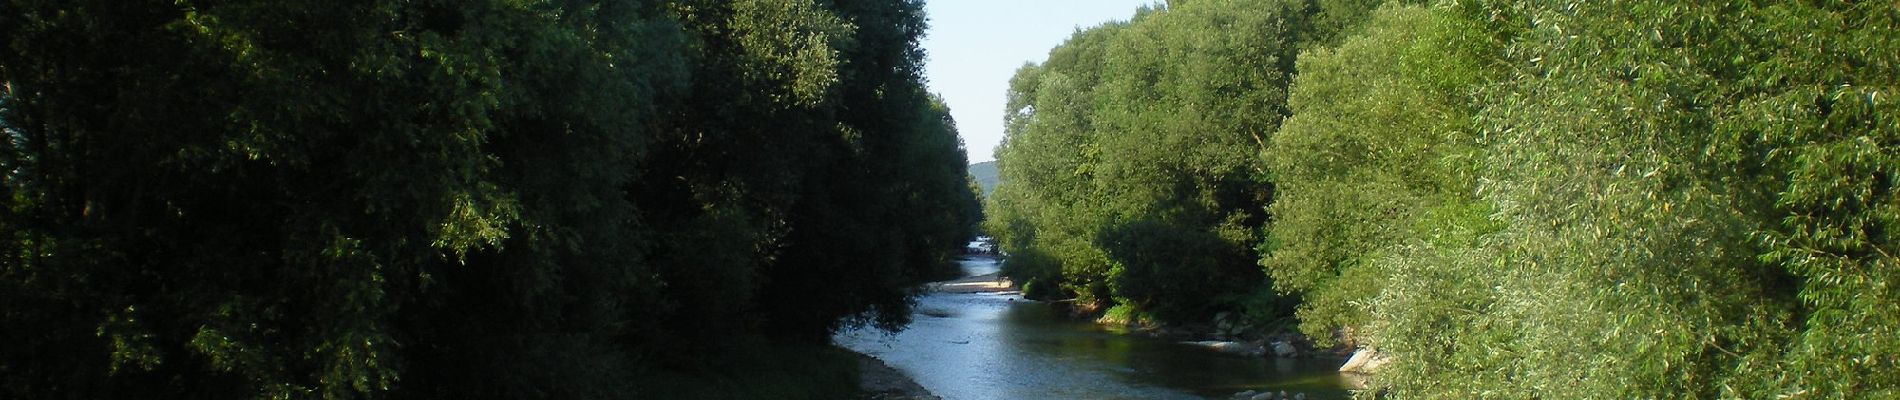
(997, 346)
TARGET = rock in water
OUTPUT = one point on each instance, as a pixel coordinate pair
(1236, 348)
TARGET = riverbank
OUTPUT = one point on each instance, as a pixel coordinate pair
(878, 381)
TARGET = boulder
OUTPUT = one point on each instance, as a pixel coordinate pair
(1365, 361)
(1284, 349)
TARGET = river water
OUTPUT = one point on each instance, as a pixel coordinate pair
(983, 346)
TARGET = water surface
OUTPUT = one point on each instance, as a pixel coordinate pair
(999, 346)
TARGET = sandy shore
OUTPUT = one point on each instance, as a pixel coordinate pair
(986, 283)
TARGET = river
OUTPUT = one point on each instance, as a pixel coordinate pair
(981, 346)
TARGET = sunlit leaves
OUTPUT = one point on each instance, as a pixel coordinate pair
(1692, 197)
(1380, 134)
(1133, 131)
(792, 43)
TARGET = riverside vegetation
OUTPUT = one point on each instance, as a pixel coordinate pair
(463, 199)
(1511, 199)
(685, 198)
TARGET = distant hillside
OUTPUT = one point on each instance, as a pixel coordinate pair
(985, 175)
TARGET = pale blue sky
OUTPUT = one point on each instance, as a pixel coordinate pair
(974, 46)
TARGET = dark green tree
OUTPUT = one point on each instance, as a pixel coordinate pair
(248, 199)
(436, 199)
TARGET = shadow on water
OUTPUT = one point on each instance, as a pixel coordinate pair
(991, 346)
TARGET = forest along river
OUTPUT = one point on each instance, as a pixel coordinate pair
(998, 346)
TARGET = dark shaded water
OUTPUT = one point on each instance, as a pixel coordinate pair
(996, 346)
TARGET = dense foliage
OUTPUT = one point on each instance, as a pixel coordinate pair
(1620, 199)
(1141, 132)
(517, 199)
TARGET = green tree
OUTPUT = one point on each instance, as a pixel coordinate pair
(1190, 96)
(1378, 154)
(1667, 185)
(1047, 210)
(242, 198)
(435, 199)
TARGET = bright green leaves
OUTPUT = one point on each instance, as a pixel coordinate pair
(1130, 162)
(1688, 200)
(1051, 209)
(131, 342)
(1630, 199)
(1190, 95)
(1380, 136)
(790, 43)
(470, 225)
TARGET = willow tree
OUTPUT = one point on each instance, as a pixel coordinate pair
(1687, 210)
(1047, 216)
(1190, 96)
(1376, 162)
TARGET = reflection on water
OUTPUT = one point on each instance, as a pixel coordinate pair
(990, 346)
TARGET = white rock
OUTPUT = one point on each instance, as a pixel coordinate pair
(1365, 361)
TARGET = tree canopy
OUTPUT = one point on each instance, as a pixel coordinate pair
(1625, 199)
(520, 199)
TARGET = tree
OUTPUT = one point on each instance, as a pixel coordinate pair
(426, 199)
(1378, 155)
(1134, 129)
(1651, 167)
(1048, 209)
(240, 198)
